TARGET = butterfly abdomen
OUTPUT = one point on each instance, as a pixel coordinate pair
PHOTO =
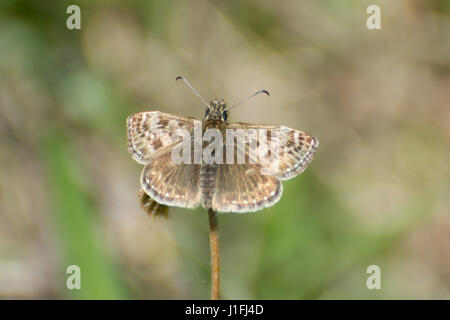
(209, 171)
(208, 178)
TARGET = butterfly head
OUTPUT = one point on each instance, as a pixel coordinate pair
(216, 111)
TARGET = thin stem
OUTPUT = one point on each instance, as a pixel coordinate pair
(215, 254)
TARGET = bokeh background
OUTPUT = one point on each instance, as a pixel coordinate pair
(377, 192)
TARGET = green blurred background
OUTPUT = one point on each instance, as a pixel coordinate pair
(376, 193)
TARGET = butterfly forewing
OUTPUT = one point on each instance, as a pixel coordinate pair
(151, 132)
(294, 149)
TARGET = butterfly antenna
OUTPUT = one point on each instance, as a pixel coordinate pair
(193, 89)
(248, 98)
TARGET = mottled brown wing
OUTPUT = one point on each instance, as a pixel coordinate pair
(150, 132)
(172, 184)
(295, 149)
(242, 188)
(151, 138)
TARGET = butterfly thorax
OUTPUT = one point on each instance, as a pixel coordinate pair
(216, 114)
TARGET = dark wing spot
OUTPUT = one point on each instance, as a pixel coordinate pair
(157, 144)
(163, 122)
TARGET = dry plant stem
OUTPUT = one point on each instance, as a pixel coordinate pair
(215, 255)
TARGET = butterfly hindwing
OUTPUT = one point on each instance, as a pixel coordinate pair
(172, 184)
(242, 188)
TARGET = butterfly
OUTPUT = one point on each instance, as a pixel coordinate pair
(223, 187)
